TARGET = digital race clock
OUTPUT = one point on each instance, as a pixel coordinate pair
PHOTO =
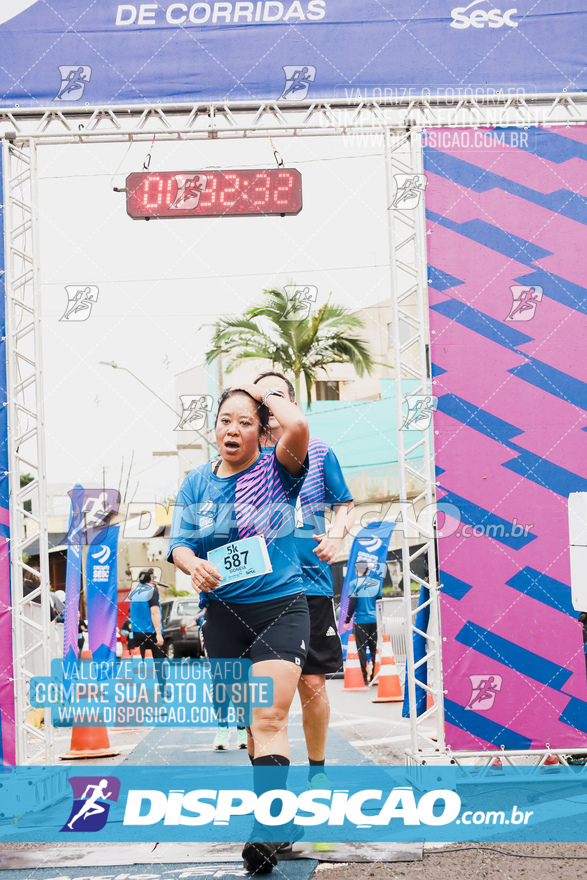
(213, 193)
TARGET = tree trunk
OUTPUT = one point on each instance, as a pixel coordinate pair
(297, 385)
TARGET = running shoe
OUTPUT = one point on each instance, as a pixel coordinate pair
(577, 760)
(319, 780)
(293, 833)
(221, 739)
(241, 738)
(259, 858)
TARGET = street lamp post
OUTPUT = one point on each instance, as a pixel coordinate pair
(116, 366)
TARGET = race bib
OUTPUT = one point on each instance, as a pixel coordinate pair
(242, 559)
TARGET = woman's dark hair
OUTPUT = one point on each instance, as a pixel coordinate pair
(262, 411)
(291, 390)
(145, 576)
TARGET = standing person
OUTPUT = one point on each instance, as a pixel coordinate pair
(145, 616)
(126, 632)
(247, 495)
(364, 591)
(82, 630)
(324, 486)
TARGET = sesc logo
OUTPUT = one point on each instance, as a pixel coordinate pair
(480, 17)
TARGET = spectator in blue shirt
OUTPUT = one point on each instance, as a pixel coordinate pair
(145, 616)
(364, 591)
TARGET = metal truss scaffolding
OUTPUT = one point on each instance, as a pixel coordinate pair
(289, 118)
(26, 443)
(407, 254)
(401, 120)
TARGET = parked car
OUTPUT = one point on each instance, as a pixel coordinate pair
(181, 627)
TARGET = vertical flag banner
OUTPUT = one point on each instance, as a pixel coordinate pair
(90, 511)
(371, 546)
(73, 574)
(507, 217)
(7, 720)
(102, 594)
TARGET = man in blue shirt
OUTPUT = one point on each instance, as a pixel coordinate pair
(145, 616)
(364, 591)
(324, 486)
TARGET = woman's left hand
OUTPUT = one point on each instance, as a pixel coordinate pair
(254, 390)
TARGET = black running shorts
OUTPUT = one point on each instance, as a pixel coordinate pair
(325, 654)
(278, 629)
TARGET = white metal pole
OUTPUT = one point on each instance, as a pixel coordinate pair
(429, 474)
(41, 456)
(401, 459)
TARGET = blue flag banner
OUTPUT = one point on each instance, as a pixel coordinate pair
(73, 574)
(102, 594)
(419, 642)
(75, 53)
(370, 546)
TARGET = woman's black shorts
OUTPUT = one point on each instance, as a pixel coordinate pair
(275, 629)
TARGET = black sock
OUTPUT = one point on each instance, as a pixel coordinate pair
(315, 767)
(270, 772)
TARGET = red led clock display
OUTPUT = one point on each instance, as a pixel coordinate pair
(245, 193)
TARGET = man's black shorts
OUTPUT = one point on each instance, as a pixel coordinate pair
(148, 641)
(278, 629)
(325, 654)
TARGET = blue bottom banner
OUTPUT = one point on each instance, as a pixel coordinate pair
(234, 804)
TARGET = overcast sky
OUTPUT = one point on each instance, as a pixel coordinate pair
(161, 282)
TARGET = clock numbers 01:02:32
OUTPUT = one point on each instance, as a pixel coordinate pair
(214, 193)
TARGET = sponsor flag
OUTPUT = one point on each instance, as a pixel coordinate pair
(90, 510)
(371, 546)
(73, 574)
(419, 640)
(102, 594)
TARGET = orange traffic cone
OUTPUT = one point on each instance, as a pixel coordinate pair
(353, 675)
(389, 689)
(89, 742)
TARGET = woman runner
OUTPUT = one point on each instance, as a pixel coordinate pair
(265, 617)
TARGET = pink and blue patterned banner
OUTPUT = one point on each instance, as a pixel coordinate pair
(507, 216)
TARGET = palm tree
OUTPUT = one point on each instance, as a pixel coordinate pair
(280, 331)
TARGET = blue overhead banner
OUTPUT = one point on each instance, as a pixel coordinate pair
(74, 53)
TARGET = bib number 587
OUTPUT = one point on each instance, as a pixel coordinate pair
(233, 558)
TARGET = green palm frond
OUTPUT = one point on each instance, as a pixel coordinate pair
(278, 330)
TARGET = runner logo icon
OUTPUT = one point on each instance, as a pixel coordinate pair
(495, 18)
(79, 302)
(194, 409)
(525, 302)
(90, 808)
(298, 79)
(484, 689)
(74, 79)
